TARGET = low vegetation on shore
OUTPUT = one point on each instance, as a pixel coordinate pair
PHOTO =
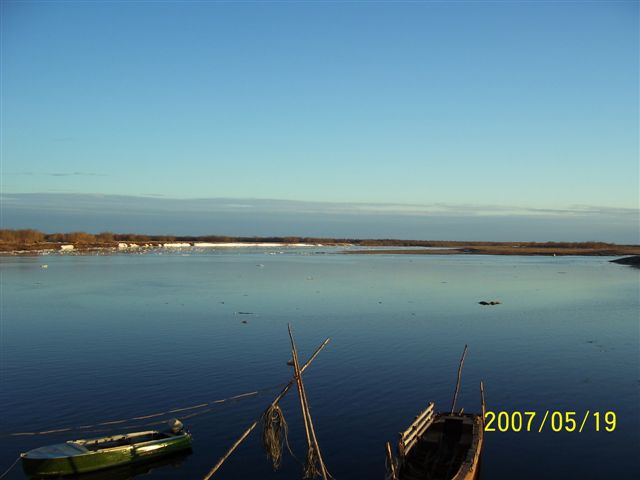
(30, 240)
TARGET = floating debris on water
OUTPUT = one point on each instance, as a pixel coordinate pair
(490, 302)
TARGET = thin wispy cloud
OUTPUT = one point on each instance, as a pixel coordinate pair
(59, 174)
(155, 202)
(76, 174)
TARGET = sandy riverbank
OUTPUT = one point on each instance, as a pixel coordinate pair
(349, 249)
(133, 247)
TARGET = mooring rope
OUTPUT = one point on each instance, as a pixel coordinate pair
(141, 425)
(120, 422)
(10, 468)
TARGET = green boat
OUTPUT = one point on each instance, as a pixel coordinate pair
(89, 455)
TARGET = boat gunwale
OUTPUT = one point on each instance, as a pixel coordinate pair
(84, 441)
(171, 439)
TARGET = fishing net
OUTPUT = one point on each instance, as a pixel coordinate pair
(274, 435)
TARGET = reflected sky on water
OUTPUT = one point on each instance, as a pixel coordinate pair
(94, 338)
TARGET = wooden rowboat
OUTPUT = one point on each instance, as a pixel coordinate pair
(89, 455)
(440, 446)
(445, 446)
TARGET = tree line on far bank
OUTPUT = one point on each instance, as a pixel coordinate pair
(32, 236)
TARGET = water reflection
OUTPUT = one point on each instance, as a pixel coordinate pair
(128, 472)
(98, 338)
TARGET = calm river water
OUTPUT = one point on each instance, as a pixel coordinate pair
(95, 338)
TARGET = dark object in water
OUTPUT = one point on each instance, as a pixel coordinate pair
(490, 302)
(633, 261)
(90, 455)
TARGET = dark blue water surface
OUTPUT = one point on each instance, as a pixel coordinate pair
(95, 338)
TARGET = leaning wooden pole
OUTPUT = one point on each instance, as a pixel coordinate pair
(314, 438)
(301, 393)
(392, 469)
(482, 404)
(455, 394)
(306, 413)
(246, 433)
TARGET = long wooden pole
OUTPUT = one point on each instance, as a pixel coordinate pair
(391, 463)
(301, 395)
(455, 394)
(306, 413)
(246, 433)
(482, 404)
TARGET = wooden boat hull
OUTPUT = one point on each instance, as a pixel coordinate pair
(470, 469)
(448, 449)
(442, 446)
(73, 458)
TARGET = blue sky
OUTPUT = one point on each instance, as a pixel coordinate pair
(525, 105)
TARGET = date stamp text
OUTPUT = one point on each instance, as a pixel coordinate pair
(549, 420)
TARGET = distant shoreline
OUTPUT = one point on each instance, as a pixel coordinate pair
(34, 242)
(341, 248)
(508, 250)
